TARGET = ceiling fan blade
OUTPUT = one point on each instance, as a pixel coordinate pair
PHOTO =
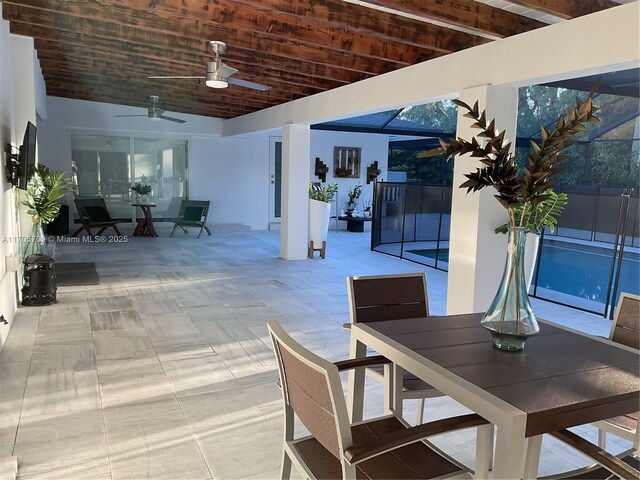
(130, 115)
(225, 71)
(247, 84)
(172, 119)
(176, 76)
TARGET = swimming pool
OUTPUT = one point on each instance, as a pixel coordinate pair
(573, 269)
(583, 270)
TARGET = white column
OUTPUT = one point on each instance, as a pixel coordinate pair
(295, 191)
(476, 253)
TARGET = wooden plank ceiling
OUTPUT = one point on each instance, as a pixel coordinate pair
(104, 50)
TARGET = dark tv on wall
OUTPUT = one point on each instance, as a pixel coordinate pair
(27, 156)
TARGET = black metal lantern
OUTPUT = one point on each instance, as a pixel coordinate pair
(39, 281)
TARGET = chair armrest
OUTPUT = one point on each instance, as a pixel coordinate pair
(604, 458)
(360, 453)
(347, 326)
(355, 363)
(361, 362)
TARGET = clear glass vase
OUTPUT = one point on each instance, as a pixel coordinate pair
(510, 318)
(36, 242)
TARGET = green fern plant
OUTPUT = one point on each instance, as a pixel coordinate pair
(45, 188)
(544, 214)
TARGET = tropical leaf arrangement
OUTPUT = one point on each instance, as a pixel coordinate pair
(528, 198)
(322, 193)
(45, 188)
(543, 215)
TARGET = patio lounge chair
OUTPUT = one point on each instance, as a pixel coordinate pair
(93, 213)
(382, 447)
(193, 213)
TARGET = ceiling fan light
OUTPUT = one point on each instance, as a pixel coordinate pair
(214, 83)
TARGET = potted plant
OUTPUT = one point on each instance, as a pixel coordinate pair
(510, 318)
(366, 208)
(44, 189)
(142, 190)
(319, 214)
(354, 195)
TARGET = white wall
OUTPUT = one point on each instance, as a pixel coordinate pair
(234, 175)
(66, 116)
(231, 172)
(7, 281)
(374, 147)
(19, 81)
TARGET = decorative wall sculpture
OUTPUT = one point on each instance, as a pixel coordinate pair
(321, 170)
(346, 162)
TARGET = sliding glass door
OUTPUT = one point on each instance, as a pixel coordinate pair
(101, 167)
(108, 166)
(162, 164)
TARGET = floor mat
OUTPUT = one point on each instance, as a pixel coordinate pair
(75, 274)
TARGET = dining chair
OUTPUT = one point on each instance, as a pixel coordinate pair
(374, 298)
(625, 329)
(606, 466)
(383, 447)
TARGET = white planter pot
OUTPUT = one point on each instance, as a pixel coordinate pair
(319, 213)
(530, 256)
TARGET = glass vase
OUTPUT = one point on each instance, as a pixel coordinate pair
(510, 318)
(36, 242)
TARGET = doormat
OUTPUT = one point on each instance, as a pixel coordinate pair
(76, 274)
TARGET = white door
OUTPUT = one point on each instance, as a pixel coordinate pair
(275, 179)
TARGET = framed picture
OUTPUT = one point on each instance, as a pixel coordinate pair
(346, 162)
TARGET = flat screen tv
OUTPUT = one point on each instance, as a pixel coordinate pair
(27, 157)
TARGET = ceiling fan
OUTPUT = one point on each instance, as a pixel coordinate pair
(218, 74)
(155, 112)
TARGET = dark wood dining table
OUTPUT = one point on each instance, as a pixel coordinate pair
(563, 378)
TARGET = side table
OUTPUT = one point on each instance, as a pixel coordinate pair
(355, 224)
(145, 226)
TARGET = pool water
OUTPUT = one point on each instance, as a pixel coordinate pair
(443, 256)
(578, 270)
(583, 271)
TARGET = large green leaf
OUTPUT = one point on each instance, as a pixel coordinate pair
(45, 188)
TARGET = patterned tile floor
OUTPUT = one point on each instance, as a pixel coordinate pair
(164, 369)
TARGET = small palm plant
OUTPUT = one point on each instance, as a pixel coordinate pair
(45, 189)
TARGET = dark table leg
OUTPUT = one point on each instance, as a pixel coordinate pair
(355, 226)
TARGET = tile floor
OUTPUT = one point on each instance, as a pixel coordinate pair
(164, 369)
